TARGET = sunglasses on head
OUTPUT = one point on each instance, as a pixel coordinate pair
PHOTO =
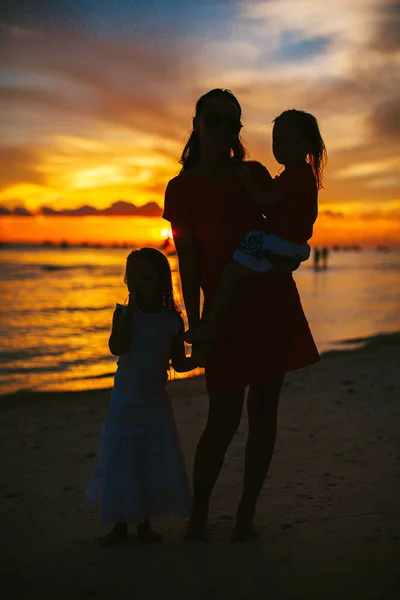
(214, 119)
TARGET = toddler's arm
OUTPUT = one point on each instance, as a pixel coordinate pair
(263, 200)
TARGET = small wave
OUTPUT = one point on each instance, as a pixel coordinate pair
(55, 268)
(378, 339)
(371, 342)
(29, 370)
(88, 377)
(73, 309)
(67, 267)
(68, 309)
(14, 355)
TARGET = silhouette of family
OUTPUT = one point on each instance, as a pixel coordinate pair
(239, 234)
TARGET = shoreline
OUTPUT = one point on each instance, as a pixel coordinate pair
(360, 345)
(328, 514)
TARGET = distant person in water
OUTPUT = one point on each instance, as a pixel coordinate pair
(139, 470)
(324, 257)
(265, 333)
(289, 203)
(317, 256)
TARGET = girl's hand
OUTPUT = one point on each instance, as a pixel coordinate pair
(132, 302)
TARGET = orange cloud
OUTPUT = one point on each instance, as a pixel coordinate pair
(92, 119)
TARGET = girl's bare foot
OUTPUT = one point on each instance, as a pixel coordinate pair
(146, 534)
(116, 535)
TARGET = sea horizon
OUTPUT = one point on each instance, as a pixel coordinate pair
(58, 304)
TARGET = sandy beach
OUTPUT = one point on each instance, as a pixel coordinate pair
(329, 514)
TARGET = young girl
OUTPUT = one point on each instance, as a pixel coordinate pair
(139, 470)
(291, 201)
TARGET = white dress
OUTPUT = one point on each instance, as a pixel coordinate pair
(139, 471)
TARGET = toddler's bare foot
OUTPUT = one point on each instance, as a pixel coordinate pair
(146, 534)
(116, 535)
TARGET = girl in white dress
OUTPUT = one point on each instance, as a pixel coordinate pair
(139, 470)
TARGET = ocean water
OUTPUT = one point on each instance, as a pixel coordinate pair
(57, 305)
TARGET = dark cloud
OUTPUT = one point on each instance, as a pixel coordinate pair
(18, 165)
(387, 37)
(134, 85)
(120, 208)
(36, 12)
(17, 211)
(332, 214)
(294, 50)
(386, 119)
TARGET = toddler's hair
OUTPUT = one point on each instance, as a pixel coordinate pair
(317, 155)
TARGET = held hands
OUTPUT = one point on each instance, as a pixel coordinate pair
(202, 352)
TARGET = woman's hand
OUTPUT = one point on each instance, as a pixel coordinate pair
(202, 352)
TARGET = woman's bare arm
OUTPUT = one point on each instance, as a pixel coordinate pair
(189, 273)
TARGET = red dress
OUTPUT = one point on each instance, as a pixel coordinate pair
(294, 219)
(266, 332)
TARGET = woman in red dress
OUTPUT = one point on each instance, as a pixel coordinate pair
(265, 334)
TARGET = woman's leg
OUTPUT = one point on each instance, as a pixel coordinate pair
(232, 276)
(224, 413)
(262, 408)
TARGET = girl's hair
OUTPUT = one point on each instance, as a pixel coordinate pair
(192, 151)
(160, 264)
(317, 155)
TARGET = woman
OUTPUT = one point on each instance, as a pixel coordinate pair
(265, 334)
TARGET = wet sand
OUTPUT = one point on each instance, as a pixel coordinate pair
(329, 515)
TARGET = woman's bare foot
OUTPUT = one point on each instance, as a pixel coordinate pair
(146, 534)
(196, 529)
(116, 535)
(244, 528)
(244, 532)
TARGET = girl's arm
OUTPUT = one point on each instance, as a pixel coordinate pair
(180, 362)
(263, 200)
(118, 342)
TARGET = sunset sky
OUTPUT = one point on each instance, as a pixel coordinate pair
(97, 100)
